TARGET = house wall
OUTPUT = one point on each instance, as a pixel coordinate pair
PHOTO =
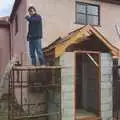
(4, 47)
(106, 87)
(19, 41)
(59, 18)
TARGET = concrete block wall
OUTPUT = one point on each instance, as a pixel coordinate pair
(54, 96)
(67, 83)
(54, 104)
(32, 100)
(106, 86)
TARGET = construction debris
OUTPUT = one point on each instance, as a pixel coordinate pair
(4, 82)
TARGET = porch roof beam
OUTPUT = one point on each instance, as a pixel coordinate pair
(93, 60)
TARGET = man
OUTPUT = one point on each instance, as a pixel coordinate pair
(35, 35)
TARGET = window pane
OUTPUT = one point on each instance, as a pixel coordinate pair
(81, 8)
(81, 18)
(93, 10)
(93, 20)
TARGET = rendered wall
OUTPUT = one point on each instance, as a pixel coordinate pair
(59, 18)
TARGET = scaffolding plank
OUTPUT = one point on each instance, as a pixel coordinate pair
(28, 67)
(37, 116)
(38, 86)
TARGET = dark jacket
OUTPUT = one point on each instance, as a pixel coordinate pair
(35, 27)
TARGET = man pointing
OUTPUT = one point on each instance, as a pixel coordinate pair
(35, 35)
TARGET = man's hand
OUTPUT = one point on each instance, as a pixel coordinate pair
(27, 16)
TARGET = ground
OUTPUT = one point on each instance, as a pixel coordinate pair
(3, 110)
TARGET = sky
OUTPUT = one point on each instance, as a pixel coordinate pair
(6, 7)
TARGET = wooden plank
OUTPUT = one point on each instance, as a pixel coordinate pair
(31, 67)
(89, 118)
(114, 50)
(89, 52)
(92, 59)
(38, 86)
(77, 38)
(37, 116)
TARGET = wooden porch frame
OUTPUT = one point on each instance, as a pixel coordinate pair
(98, 95)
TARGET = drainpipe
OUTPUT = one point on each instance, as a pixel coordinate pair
(10, 47)
(10, 41)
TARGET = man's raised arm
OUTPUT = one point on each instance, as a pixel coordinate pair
(33, 18)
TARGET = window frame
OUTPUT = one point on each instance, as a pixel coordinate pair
(86, 14)
(16, 24)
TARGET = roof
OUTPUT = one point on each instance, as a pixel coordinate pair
(4, 21)
(60, 40)
(15, 7)
(78, 36)
(112, 1)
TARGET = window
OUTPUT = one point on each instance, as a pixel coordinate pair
(16, 24)
(87, 13)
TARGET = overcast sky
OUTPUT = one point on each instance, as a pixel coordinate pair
(6, 7)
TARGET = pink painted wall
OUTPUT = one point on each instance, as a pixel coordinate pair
(59, 18)
(18, 40)
(4, 47)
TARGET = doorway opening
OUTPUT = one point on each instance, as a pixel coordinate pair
(87, 92)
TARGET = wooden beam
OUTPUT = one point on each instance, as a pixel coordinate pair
(90, 52)
(36, 116)
(38, 86)
(92, 59)
(31, 67)
(89, 118)
(113, 49)
(77, 38)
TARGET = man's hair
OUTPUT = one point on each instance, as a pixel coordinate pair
(31, 7)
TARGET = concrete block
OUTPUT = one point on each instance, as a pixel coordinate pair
(69, 71)
(68, 99)
(106, 70)
(67, 88)
(68, 117)
(106, 115)
(106, 92)
(68, 105)
(69, 80)
(106, 63)
(106, 55)
(106, 107)
(106, 100)
(111, 118)
(106, 85)
(67, 59)
(68, 112)
(106, 77)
